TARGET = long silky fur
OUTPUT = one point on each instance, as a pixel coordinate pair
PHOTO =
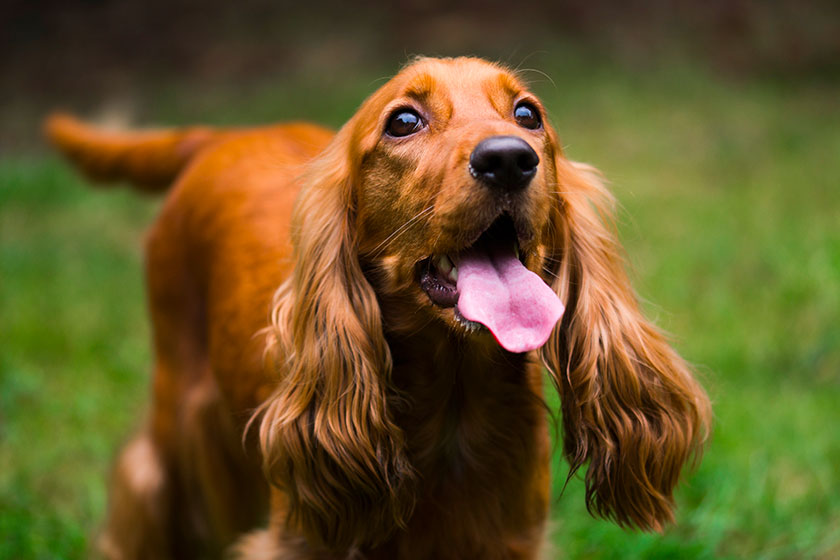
(631, 408)
(326, 434)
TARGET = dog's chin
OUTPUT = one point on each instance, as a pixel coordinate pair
(466, 325)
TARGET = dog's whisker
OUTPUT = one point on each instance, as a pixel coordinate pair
(540, 72)
(379, 248)
(550, 273)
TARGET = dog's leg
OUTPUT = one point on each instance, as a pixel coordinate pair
(156, 509)
(190, 500)
(137, 517)
(274, 544)
(151, 511)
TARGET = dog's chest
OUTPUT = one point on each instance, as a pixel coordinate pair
(478, 441)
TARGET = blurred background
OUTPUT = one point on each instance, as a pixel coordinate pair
(717, 124)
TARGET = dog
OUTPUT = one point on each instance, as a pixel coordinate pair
(351, 333)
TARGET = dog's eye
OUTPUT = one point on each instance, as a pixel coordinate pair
(527, 116)
(404, 122)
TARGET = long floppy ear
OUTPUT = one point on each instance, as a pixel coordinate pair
(327, 436)
(631, 407)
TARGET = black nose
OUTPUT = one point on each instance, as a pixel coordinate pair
(506, 162)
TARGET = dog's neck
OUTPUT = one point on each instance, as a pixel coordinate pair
(448, 391)
(435, 356)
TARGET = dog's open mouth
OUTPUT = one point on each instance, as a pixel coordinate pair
(439, 273)
(488, 283)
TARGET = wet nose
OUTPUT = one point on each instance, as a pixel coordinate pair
(504, 162)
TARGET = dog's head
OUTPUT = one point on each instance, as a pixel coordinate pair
(446, 203)
(456, 173)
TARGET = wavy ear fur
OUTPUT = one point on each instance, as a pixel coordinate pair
(631, 407)
(327, 436)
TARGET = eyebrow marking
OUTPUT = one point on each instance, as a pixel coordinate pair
(421, 87)
(425, 89)
(510, 85)
(510, 89)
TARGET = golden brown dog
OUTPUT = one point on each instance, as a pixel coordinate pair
(351, 330)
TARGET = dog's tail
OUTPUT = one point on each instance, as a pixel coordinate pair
(149, 160)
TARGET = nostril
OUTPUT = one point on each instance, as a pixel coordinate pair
(484, 161)
(527, 162)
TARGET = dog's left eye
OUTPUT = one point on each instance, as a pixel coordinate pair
(527, 116)
(404, 122)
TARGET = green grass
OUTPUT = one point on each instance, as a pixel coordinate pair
(730, 196)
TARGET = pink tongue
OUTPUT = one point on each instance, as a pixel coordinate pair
(497, 291)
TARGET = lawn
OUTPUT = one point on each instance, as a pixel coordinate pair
(730, 216)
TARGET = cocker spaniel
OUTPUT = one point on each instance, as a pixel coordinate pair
(351, 332)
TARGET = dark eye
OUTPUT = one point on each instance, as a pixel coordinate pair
(527, 116)
(404, 122)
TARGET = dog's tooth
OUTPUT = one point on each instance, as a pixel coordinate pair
(444, 264)
(516, 249)
(453, 274)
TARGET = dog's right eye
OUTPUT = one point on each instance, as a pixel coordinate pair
(404, 122)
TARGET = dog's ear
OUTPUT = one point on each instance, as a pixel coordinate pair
(327, 434)
(630, 406)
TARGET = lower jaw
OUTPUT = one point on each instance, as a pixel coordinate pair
(470, 326)
(445, 297)
(440, 293)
